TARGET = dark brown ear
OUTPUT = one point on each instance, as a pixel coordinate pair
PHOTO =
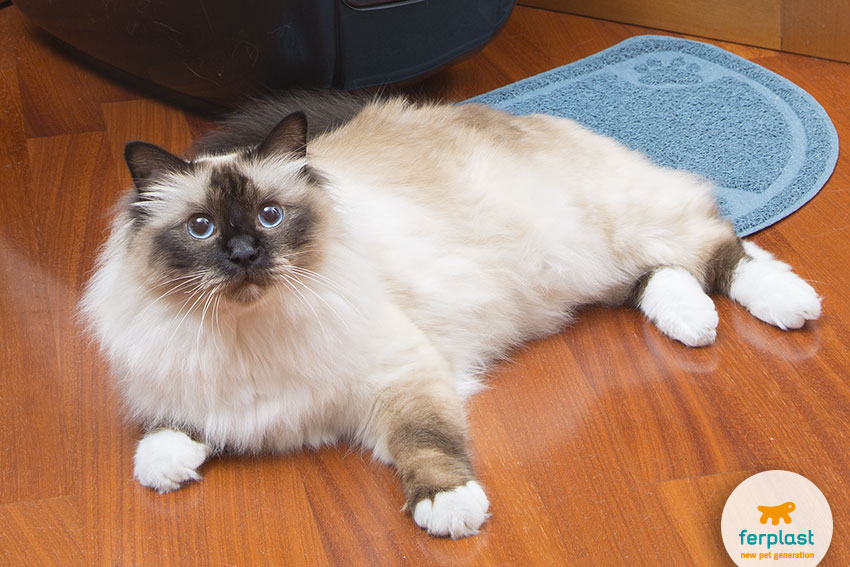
(288, 137)
(147, 162)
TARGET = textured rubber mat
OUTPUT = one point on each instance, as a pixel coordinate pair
(766, 143)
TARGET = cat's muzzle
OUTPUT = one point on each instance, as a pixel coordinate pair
(246, 287)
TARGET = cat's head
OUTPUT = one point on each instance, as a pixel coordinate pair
(234, 225)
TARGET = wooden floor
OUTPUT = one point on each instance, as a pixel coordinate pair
(605, 445)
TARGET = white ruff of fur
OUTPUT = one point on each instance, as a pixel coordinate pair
(273, 375)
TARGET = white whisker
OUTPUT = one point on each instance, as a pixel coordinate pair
(327, 282)
(323, 300)
(206, 307)
(187, 280)
(171, 338)
(291, 285)
(217, 323)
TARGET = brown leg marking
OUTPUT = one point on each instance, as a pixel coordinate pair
(636, 293)
(716, 277)
(427, 439)
(720, 269)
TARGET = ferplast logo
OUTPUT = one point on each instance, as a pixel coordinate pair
(777, 516)
(776, 513)
(788, 538)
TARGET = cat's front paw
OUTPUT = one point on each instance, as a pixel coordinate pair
(453, 513)
(166, 458)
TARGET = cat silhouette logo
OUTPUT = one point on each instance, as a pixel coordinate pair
(776, 513)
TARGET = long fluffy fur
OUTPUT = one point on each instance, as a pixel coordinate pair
(451, 235)
(476, 229)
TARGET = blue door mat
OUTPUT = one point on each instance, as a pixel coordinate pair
(766, 143)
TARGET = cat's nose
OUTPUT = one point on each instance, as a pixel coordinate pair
(243, 250)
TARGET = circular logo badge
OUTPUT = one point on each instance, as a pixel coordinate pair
(776, 518)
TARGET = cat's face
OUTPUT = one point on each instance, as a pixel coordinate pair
(231, 226)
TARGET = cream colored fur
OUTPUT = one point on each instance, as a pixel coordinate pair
(453, 233)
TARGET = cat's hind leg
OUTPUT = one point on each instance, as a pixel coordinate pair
(674, 300)
(771, 291)
(166, 458)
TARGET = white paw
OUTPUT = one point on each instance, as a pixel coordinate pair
(454, 513)
(773, 293)
(674, 300)
(166, 458)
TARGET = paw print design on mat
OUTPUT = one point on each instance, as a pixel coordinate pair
(776, 513)
(677, 72)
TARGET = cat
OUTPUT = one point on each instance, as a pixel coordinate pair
(290, 287)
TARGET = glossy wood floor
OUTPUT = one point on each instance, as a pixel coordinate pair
(605, 445)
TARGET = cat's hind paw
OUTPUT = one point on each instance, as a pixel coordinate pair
(772, 292)
(453, 513)
(674, 300)
(165, 459)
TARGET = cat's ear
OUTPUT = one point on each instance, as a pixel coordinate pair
(147, 162)
(288, 137)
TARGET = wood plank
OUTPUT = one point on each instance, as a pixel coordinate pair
(148, 120)
(274, 504)
(42, 532)
(45, 113)
(817, 27)
(31, 428)
(754, 22)
(72, 183)
(694, 507)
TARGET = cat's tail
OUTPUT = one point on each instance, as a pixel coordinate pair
(326, 110)
(677, 300)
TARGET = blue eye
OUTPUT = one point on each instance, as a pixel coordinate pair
(270, 215)
(200, 227)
